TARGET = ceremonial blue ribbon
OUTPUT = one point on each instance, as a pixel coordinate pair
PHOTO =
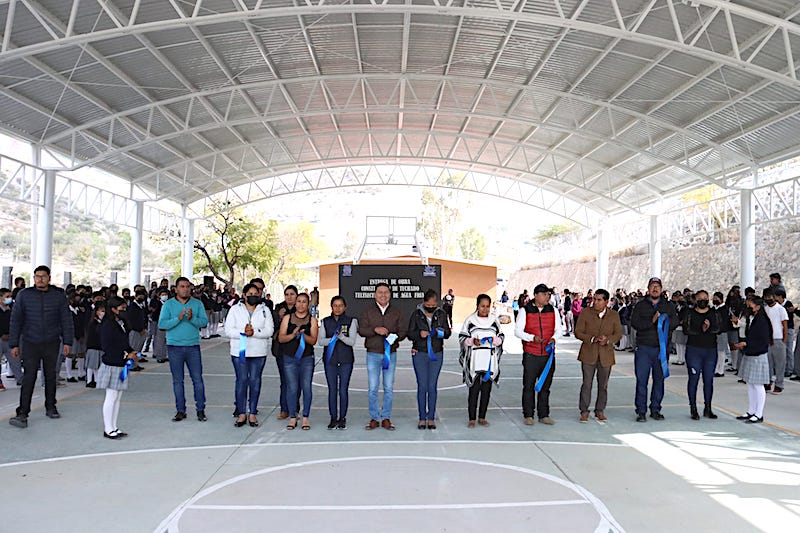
(387, 351)
(242, 348)
(663, 342)
(488, 375)
(437, 333)
(331, 346)
(302, 347)
(551, 350)
(123, 374)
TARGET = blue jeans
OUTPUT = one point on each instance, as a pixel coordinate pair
(189, 355)
(298, 373)
(248, 380)
(282, 375)
(700, 361)
(427, 373)
(646, 360)
(338, 377)
(374, 372)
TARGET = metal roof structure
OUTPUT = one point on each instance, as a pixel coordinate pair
(603, 105)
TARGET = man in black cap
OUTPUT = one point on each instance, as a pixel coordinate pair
(537, 325)
(644, 319)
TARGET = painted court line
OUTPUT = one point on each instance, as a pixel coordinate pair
(296, 444)
(390, 507)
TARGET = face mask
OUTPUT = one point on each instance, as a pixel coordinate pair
(717, 302)
(429, 309)
(101, 314)
(122, 313)
(702, 304)
(769, 302)
(140, 300)
(164, 298)
(7, 301)
(253, 300)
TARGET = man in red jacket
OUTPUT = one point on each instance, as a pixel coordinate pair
(537, 325)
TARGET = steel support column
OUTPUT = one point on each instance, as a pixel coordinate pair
(44, 236)
(655, 247)
(747, 241)
(187, 256)
(136, 245)
(602, 258)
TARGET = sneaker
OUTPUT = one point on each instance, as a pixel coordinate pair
(333, 423)
(656, 416)
(641, 417)
(529, 421)
(201, 416)
(180, 415)
(777, 390)
(341, 424)
(599, 415)
(584, 418)
(547, 421)
(19, 421)
(53, 413)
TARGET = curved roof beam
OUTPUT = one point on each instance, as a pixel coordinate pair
(676, 43)
(620, 143)
(315, 179)
(395, 156)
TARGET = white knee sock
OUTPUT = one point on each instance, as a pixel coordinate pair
(68, 366)
(108, 410)
(116, 409)
(751, 397)
(761, 399)
(89, 374)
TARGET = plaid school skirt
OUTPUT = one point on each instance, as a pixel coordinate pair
(755, 369)
(108, 378)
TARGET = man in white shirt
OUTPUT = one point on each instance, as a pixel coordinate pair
(777, 348)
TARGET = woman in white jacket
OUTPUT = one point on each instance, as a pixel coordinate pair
(249, 326)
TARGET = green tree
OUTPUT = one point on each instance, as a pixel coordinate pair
(554, 230)
(473, 244)
(440, 214)
(233, 242)
(295, 244)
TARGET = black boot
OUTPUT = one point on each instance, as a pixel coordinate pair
(708, 413)
(333, 423)
(693, 412)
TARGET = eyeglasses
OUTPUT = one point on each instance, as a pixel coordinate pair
(41, 276)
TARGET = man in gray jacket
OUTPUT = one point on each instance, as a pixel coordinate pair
(40, 322)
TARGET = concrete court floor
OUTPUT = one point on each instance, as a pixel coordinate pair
(677, 474)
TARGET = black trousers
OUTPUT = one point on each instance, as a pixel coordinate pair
(32, 355)
(480, 389)
(532, 367)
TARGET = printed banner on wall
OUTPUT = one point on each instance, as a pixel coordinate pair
(408, 284)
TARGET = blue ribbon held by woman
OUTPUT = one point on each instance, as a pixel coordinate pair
(330, 347)
(301, 348)
(437, 333)
(551, 351)
(123, 374)
(663, 342)
(242, 348)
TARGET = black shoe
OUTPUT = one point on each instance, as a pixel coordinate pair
(112, 435)
(656, 416)
(180, 415)
(239, 423)
(693, 414)
(342, 424)
(333, 423)
(91, 385)
(137, 368)
(719, 375)
(53, 413)
(794, 378)
(754, 420)
(72, 380)
(201, 416)
(744, 416)
(787, 374)
(740, 381)
(708, 413)
(82, 378)
(432, 426)
(162, 360)
(19, 421)
(120, 434)
(142, 359)
(641, 417)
